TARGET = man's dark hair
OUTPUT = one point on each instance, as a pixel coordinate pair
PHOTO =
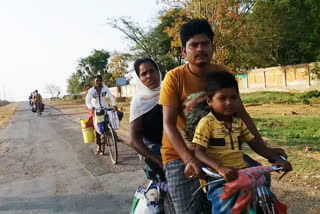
(194, 27)
(138, 62)
(99, 77)
(218, 80)
(36, 91)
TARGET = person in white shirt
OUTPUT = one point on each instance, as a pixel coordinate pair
(96, 99)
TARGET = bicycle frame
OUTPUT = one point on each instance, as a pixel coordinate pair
(107, 135)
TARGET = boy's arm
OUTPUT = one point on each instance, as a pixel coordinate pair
(229, 174)
(170, 114)
(259, 147)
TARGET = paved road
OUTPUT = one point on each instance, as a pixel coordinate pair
(46, 168)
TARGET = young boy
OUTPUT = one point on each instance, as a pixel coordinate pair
(218, 136)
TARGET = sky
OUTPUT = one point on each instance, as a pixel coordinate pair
(41, 40)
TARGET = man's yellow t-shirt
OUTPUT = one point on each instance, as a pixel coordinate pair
(223, 145)
(181, 89)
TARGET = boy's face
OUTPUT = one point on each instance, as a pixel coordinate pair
(87, 89)
(223, 102)
(198, 50)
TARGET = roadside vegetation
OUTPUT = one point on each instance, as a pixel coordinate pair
(310, 97)
(6, 111)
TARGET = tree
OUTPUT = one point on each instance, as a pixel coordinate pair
(94, 64)
(75, 83)
(227, 18)
(87, 68)
(118, 66)
(153, 43)
(53, 90)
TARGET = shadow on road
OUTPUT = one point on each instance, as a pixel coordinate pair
(88, 203)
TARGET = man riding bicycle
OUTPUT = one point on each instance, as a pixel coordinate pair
(37, 100)
(96, 99)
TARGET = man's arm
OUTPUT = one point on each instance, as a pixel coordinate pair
(243, 114)
(170, 115)
(111, 97)
(259, 147)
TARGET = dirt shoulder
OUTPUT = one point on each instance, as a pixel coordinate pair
(6, 111)
(282, 109)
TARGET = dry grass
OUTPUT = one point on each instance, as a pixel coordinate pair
(6, 111)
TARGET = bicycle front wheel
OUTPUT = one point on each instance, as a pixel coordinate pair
(112, 145)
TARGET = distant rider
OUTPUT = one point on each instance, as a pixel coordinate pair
(37, 99)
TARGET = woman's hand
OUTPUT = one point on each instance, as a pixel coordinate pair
(192, 169)
(228, 173)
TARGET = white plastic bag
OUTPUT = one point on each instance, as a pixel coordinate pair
(147, 201)
(114, 120)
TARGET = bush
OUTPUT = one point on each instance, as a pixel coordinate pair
(310, 94)
(76, 97)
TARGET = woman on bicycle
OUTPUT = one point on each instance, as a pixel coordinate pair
(146, 117)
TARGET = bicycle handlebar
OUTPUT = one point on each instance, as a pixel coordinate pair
(107, 109)
(216, 175)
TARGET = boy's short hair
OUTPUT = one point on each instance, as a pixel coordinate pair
(194, 27)
(218, 80)
(138, 62)
(87, 85)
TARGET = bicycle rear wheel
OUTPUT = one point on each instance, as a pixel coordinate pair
(112, 145)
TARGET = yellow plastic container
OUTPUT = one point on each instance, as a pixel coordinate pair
(88, 133)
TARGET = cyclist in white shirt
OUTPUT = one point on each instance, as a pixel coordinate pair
(96, 99)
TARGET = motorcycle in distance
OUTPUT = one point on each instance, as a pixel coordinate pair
(102, 124)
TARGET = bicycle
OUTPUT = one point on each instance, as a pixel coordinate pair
(38, 110)
(107, 134)
(265, 203)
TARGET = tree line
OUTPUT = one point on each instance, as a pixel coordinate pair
(248, 34)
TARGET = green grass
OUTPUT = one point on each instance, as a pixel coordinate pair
(311, 97)
(293, 131)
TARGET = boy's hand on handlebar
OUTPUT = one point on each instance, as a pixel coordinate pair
(192, 169)
(228, 173)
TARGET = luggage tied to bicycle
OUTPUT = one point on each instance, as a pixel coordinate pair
(247, 182)
(147, 201)
(100, 118)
